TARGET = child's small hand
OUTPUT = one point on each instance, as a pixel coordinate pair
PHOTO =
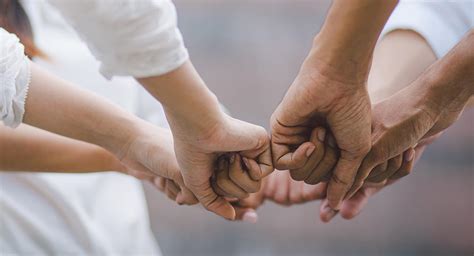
(233, 176)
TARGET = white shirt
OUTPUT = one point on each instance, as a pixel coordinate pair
(129, 38)
(443, 23)
(77, 214)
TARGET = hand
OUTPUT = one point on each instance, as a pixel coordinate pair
(319, 97)
(277, 187)
(352, 206)
(397, 131)
(282, 189)
(150, 156)
(197, 154)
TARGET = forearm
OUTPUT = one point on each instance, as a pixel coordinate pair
(57, 106)
(185, 98)
(392, 71)
(349, 34)
(449, 83)
(30, 149)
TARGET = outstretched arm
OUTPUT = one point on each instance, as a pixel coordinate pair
(330, 91)
(27, 148)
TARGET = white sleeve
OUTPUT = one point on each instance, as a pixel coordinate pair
(441, 23)
(129, 38)
(14, 79)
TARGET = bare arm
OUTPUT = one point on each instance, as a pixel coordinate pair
(31, 149)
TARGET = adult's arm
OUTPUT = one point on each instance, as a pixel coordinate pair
(149, 47)
(330, 91)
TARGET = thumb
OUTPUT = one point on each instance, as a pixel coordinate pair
(246, 215)
(212, 202)
(242, 136)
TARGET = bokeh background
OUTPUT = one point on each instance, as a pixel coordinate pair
(249, 52)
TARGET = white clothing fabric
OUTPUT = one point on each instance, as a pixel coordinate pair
(442, 23)
(14, 79)
(131, 38)
(77, 214)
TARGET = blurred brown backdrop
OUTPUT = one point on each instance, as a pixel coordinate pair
(248, 52)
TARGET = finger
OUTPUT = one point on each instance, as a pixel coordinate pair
(214, 203)
(173, 187)
(241, 177)
(353, 206)
(254, 201)
(326, 213)
(253, 168)
(171, 191)
(393, 165)
(407, 166)
(342, 180)
(246, 214)
(314, 192)
(185, 196)
(379, 169)
(265, 162)
(225, 183)
(317, 138)
(295, 190)
(284, 159)
(281, 192)
(246, 137)
(364, 170)
(222, 193)
(159, 183)
(270, 186)
(325, 167)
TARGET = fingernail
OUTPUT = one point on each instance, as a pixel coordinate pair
(322, 135)
(409, 154)
(310, 150)
(232, 158)
(250, 217)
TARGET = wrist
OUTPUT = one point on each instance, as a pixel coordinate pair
(342, 65)
(119, 135)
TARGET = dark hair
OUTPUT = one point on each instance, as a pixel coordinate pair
(14, 19)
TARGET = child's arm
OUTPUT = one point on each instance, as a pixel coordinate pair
(34, 150)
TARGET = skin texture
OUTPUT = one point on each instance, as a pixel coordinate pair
(203, 134)
(390, 73)
(330, 91)
(145, 150)
(278, 187)
(30, 149)
(426, 107)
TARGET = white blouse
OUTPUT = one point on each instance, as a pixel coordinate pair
(14, 79)
(442, 23)
(129, 38)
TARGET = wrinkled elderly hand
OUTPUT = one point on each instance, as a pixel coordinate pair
(395, 132)
(352, 206)
(320, 98)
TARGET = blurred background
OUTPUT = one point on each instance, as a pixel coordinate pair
(249, 52)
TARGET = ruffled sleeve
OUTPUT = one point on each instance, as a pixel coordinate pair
(14, 79)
